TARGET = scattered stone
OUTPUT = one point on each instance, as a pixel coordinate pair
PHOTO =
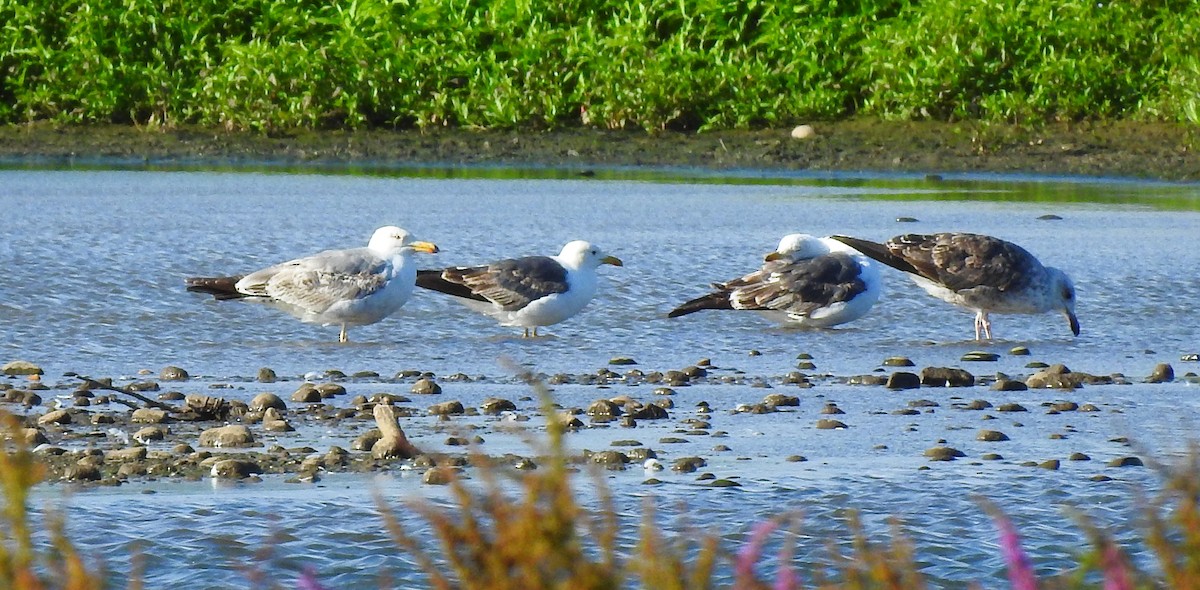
(493, 406)
(1051, 464)
(266, 375)
(263, 401)
(235, 469)
(328, 390)
(1009, 385)
(898, 361)
(148, 416)
(307, 394)
(906, 219)
(1019, 351)
(274, 422)
(943, 453)
(1190, 357)
(604, 408)
(234, 435)
(1163, 373)
(1066, 406)
(150, 434)
(611, 460)
(803, 132)
(991, 457)
(1011, 407)
(650, 412)
(426, 386)
(85, 470)
(438, 476)
(866, 380)
(946, 377)
(725, 483)
(991, 436)
(1049, 217)
(832, 409)
(21, 368)
(779, 399)
(1100, 478)
(806, 366)
(903, 380)
(688, 464)
(830, 424)
(173, 373)
(55, 417)
(1079, 457)
(979, 404)
(979, 356)
(450, 408)
(621, 360)
(1125, 462)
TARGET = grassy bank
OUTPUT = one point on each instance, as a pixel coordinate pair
(651, 64)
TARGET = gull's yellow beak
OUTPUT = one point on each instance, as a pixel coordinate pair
(772, 256)
(429, 247)
(613, 260)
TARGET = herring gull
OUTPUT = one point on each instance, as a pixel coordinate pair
(528, 292)
(807, 281)
(977, 272)
(356, 286)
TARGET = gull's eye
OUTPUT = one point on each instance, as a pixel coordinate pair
(1068, 294)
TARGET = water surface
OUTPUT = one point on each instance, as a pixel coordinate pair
(93, 265)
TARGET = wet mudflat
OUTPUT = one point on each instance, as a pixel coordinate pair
(93, 285)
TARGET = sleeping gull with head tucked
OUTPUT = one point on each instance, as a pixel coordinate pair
(528, 292)
(807, 281)
(350, 287)
(981, 273)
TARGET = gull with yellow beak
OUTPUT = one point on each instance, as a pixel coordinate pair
(807, 282)
(527, 292)
(352, 287)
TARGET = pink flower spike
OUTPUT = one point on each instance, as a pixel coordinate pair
(308, 579)
(747, 556)
(1020, 570)
(1115, 575)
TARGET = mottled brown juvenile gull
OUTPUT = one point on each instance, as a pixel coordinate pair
(807, 281)
(981, 273)
(528, 292)
(350, 287)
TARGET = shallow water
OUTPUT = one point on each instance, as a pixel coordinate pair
(93, 264)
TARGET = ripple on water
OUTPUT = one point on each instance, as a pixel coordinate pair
(106, 298)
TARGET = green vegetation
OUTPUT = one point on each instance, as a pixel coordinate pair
(271, 65)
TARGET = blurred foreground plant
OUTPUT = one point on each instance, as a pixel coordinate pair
(22, 565)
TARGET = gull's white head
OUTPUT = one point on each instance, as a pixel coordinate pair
(798, 247)
(390, 240)
(1062, 296)
(581, 254)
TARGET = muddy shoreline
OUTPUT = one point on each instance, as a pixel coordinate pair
(1154, 151)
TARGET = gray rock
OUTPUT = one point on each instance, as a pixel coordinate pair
(943, 453)
(232, 436)
(55, 417)
(494, 405)
(235, 469)
(450, 408)
(148, 416)
(946, 377)
(991, 436)
(1163, 373)
(172, 373)
(21, 368)
(263, 401)
(903, 380)
(426, 386)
